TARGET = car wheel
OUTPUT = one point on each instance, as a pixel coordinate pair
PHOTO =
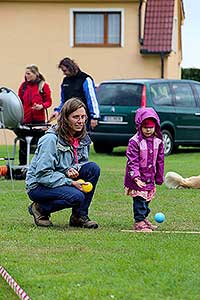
(99, 148)
(168, 142)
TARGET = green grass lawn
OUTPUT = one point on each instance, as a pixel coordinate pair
(62, 263)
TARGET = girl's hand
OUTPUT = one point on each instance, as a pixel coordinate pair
(140, 183)
(72, 173)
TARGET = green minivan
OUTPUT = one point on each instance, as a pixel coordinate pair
(177, 103)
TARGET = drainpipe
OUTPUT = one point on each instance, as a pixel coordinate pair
(162, 56)
(139, 24)
(141, 20)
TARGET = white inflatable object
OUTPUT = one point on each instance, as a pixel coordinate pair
(11, 109)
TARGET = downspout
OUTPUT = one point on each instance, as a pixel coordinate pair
(162, 56)
(141, 20)
(139, 24)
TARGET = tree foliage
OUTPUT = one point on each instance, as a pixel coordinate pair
(190, 73)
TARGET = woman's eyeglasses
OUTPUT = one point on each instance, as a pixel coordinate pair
(82, 118)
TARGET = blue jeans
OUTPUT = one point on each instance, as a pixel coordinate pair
(54, 199)
(140, 209)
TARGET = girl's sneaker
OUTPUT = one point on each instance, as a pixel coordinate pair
(150, 225)
(141, 226)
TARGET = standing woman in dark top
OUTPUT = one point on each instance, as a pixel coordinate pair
(80, 85)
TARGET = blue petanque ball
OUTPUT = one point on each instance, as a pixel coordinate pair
(159, 217)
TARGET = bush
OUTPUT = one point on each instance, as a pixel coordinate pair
(190, 73)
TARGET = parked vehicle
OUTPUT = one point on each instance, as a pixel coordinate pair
(177, 103)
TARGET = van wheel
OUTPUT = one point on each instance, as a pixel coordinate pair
(168, 142)
(99, 148)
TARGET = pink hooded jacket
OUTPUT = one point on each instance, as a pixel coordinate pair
(145, 156)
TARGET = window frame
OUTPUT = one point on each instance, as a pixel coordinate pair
(73, 11)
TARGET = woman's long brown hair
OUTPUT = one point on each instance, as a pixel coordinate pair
(70, 64)
(63, 128)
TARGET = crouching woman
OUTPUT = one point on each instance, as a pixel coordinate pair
(61, 158)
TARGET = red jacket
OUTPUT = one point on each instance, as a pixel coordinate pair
(31, 95)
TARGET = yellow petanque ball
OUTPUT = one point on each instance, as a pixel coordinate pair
(87, 187)
(81, 181)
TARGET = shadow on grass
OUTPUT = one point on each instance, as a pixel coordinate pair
(187, 150)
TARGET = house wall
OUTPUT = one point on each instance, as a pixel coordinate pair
(174, 61)
(39, 33)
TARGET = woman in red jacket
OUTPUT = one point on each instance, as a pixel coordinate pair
(35, 95)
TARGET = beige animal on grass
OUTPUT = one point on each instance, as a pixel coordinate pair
(174, 180)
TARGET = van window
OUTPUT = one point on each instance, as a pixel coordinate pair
(160, 94)
(117, 94)
(197, 86)
(183, 95)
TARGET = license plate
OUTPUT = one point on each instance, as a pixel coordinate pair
(113, 119)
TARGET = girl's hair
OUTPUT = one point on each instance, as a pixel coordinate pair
(63, 128)
(70, 64)
(35, 70)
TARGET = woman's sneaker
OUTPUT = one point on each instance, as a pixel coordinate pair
(82, 221)
(141, 226)
(39, 218)
(150, 225)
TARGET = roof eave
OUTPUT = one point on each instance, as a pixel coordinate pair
(146, 51)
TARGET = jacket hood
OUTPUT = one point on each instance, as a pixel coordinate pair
(145, 113)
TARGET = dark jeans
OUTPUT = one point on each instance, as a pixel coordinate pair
(55, 199)
(140, 209)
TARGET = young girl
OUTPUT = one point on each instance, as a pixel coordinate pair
(145, 166)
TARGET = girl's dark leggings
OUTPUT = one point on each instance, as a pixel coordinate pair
(140, 209)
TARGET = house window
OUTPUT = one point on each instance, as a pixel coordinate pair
(98, 28)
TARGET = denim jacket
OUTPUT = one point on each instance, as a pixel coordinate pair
(52, 159)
